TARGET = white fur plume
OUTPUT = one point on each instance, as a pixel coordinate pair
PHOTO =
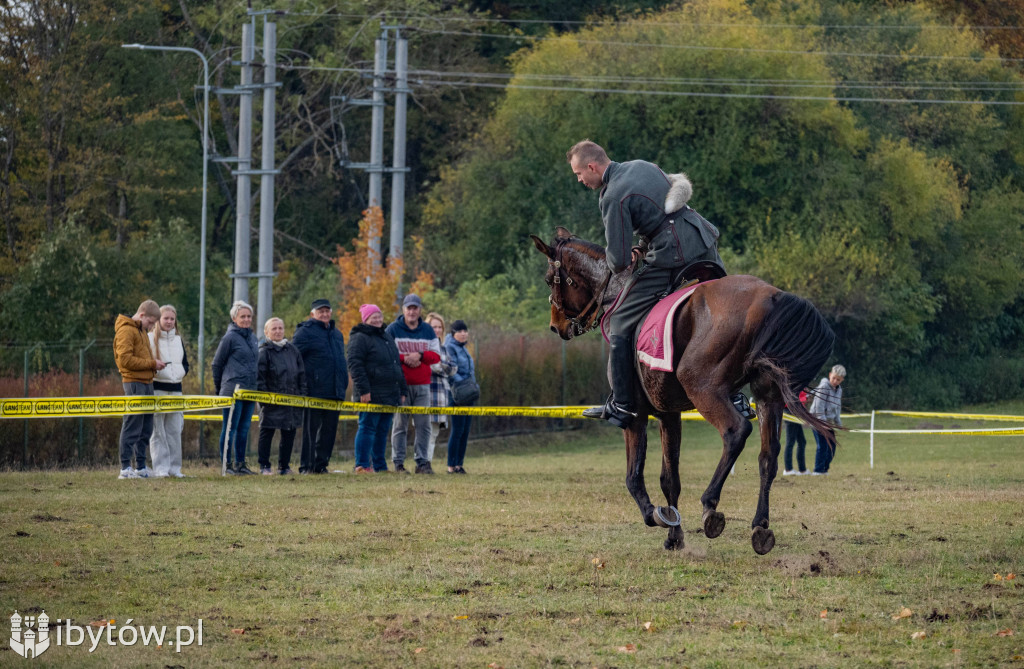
(679, 193)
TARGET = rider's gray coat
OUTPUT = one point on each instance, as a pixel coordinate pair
(633, 201)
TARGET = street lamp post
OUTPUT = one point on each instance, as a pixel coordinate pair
(206, 159)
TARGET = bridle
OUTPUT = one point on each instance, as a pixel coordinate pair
(590, 316)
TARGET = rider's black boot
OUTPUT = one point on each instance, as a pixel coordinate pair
(619, 412)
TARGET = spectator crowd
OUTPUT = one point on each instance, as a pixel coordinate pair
(408, 362)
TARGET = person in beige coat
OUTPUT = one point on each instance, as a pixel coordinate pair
(137, 366)
(167, 346)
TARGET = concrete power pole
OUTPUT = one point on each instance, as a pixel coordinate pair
(265, 286)
(376, 167)
(398, 168)
(243, 198)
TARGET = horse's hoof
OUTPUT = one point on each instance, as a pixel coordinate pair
(667, 516)
(763, 540)
(674, 543)
(714, 523)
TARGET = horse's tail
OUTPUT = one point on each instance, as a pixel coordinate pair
(791, 347)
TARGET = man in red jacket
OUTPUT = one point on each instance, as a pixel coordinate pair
(419, 348)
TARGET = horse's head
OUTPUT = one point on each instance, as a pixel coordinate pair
(577, 276)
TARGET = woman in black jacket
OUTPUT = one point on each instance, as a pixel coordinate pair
(280, 371)
(376, 371)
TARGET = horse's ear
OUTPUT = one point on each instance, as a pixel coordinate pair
(562, 233)
(542, 247)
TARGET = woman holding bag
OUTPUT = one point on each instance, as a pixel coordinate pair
(465, 392)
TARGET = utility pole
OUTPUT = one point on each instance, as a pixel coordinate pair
(398, 168)
(376, 167)
(243, 231)
(265, 294)
(243, 198)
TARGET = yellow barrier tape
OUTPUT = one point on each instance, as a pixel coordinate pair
(255, 418)
(961, 416)
(73, 407)
(1005, 431)
(339, 405)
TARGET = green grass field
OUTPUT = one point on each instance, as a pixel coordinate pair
(538, 557)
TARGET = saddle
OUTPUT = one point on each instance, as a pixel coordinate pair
(653, 338)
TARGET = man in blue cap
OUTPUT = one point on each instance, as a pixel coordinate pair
(419, 348)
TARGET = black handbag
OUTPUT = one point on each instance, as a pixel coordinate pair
(465, 392)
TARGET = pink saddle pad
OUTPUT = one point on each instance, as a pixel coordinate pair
(654, 343)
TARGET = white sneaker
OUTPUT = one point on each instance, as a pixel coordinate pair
(789, 472)
(144, 473)
(128, 473)
(819, 473)
(803, 473)
(177, 475)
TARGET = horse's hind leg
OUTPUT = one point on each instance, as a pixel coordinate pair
(718, 409)
(769, 416)
(671, 432)
(636, 455)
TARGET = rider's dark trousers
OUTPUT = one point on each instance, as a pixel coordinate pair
(647, 285)
(643, 290)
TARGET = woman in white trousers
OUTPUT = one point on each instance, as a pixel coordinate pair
(165, 444)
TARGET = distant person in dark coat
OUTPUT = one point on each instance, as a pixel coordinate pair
(795, 435)
(236, 363)
(377, 377)
(323, 353)
(280, 371)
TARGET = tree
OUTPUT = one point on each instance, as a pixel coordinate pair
(363, 279)
(871, 209)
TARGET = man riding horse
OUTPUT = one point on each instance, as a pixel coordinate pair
(638, 198)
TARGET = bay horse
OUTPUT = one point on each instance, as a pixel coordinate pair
(732, 331)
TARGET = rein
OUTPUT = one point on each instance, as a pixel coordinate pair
(590, 316)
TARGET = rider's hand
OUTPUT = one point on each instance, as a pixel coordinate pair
(636, 253)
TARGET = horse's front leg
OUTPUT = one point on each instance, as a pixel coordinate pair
(769, 417)
(671, 434)
(734, 428)
(636, 455)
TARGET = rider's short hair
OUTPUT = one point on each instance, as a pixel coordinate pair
(587, 152)
(839, 370)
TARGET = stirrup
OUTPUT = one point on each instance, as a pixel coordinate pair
(618, 415)
(742, 405)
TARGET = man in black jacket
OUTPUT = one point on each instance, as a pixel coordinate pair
(323, 355)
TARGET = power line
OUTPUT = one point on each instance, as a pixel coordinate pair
(697, 47)
(974, 86)
(697, 94)
(701, 81)
(708, 24)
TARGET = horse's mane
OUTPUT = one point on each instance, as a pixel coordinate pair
(591, 249)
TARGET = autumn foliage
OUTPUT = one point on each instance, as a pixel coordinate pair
(364, 279)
